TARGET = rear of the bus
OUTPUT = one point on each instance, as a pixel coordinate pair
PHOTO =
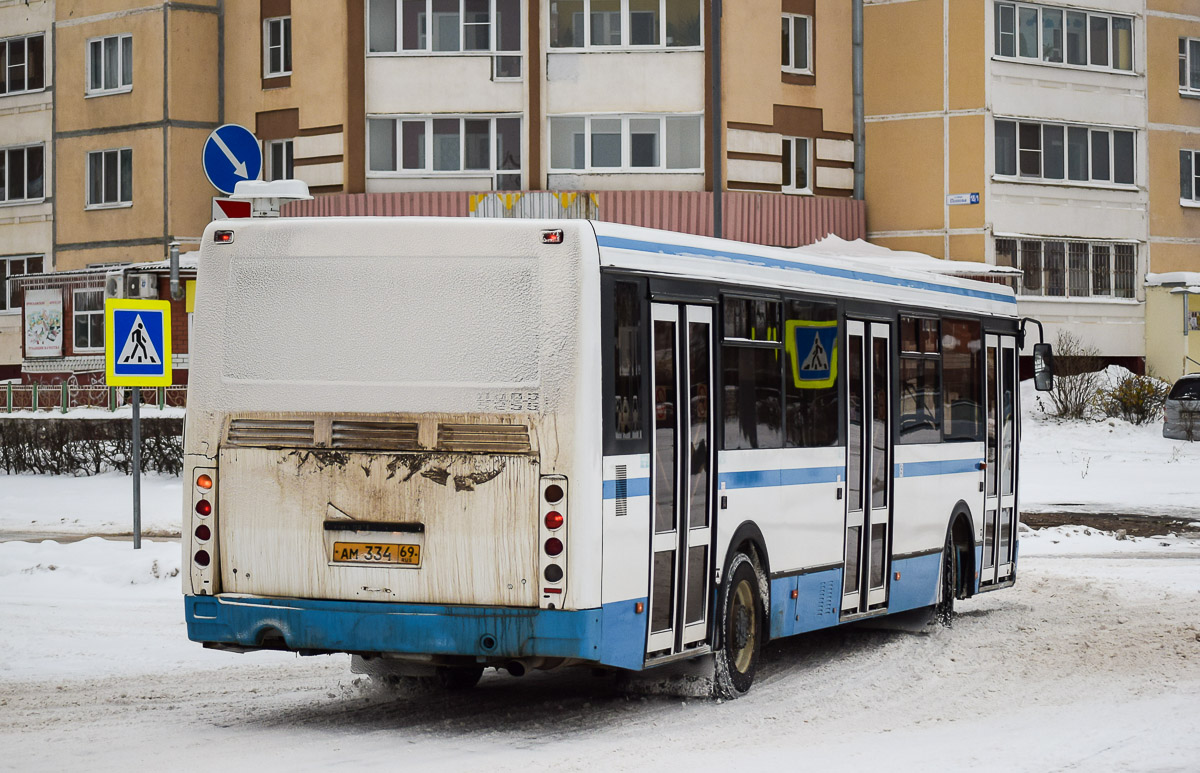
(390, 447)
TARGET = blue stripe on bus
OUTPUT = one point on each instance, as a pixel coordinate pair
(792, 265)
(948, 467)
(634, 487)
(791, 477)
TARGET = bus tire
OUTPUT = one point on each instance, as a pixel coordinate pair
(740, 629)
(944, 609)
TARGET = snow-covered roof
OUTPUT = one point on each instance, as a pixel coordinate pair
(834, 246)
(1182, 281)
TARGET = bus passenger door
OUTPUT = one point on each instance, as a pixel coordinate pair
(681, 539)
(999, 508)
(868, 466)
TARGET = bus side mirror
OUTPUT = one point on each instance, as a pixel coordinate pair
(1043, 367)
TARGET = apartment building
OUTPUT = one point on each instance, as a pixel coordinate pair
(26, 160)
(1173, 97)
(1037, 112)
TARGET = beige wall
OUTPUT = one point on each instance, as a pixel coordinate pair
(930, 245)
(904, 176)
(967, 44)
(1166, 344)
(192, 92)
(902, 62)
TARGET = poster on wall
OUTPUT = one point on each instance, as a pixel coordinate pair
(43, 323)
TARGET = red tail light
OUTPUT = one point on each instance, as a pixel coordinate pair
(554, 520)
(204, 507)
(202, 557)
(554, 546)
(203, 533)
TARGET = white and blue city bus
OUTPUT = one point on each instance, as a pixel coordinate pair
(442, 445)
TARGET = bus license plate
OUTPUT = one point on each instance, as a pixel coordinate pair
(368, 553)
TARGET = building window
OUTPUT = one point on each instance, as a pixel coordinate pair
(423, 146)
(279, 164)
(797, 163)
(22, 174)
(88, 315)
(613, 23)
(277, 47)
(110, 64)
(1049, 151)
(631, 143)
(10, 296)
(22, 64)
(1062, 268)
(1189, 65)
(1057, 36)
(1189, 177)
(797, 43)
(110, 178)
(402, 26)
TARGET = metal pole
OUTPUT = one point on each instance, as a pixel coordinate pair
(860, 123)
(137, 469)
(718, 182)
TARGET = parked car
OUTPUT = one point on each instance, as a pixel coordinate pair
(1181, 420)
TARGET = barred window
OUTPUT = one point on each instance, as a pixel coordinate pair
(1058, 268)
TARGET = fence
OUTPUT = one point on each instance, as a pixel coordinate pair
(64, 397)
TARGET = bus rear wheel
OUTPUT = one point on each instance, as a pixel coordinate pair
(740, 629)
(944, 609)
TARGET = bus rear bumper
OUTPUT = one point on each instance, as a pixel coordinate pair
(613, 635)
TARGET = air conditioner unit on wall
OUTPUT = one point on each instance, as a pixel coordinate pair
(120, 284)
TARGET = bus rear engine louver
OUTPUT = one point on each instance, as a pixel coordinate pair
(270, 433)
(375, 435)
(487, 438)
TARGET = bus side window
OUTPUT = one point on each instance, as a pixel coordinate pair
(962, 379)
(627, 413)
(920, 387)
(810, 374)
(751, 361)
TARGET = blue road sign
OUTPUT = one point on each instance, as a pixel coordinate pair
(231, 155)
(138, 342)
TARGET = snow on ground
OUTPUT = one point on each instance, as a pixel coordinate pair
(1087, 664)
(1104, 465)
(100, 504)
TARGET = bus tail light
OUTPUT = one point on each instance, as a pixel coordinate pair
(552, 542)
(200, 546)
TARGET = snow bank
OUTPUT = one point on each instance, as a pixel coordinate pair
(122, 412)
(90, 568)
(100, 504)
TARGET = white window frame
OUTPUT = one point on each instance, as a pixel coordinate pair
(494, 171)
(790, 20)
(789, 185)
(1193, 174)
(493, 47)
(4, 164)
(1187, 56)
(1040, 46)
(121, 87)
(626, 27)
(285, 46)
(87, 180)
(5, 67)
(270, 149)
(7, 293)
(75, 314)
(1040, 178)
(626, 166)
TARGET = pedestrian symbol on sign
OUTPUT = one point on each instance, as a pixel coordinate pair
(138, 347)
(812, 349)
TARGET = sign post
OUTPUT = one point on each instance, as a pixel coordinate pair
(137, 353)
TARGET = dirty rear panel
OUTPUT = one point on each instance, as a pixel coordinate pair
(463, 507)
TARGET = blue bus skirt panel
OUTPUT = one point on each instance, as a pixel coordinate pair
(614, 635)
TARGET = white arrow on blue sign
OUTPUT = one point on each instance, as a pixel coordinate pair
(231, 155)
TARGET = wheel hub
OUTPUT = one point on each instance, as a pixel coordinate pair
(741, 627)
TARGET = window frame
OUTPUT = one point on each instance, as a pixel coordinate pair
(624, 45)
(788, 184)
(1189, 59)
(1040, 57)
(626, 166)
(121, 87)
(6, 89)
(493, 50)
(790, 19)
(9, 294)
(1192, 175)
(494, 169)
(75, 314)
(285, 47)
(1093, 134)
(1106, 251)
(270, 148)
(5, 201)
(87, 180)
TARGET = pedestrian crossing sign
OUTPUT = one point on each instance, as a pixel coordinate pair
(137, 343)
(812, 349)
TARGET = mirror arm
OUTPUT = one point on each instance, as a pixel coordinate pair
(1021, 334)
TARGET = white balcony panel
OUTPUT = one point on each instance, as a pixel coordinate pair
(438, 84)
(626, 82)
